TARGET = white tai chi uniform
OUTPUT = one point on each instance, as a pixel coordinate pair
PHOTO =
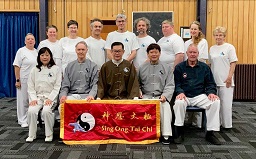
(68, 50)
(141, 55)
(202, 49)
(220, 58)
(25, 59)
(155, 81)
(55, 49)
(43, 85)
(96, 51)
(170, 46)
(128, 39)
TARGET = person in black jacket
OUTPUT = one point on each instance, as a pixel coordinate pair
(195, 86)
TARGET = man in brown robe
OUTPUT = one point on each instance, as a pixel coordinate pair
(118, 77)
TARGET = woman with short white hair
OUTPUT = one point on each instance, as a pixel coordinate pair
(223, 62)
(25, 60)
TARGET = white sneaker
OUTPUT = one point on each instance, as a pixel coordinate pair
(24, 125)
(48, 138)
(30, 139)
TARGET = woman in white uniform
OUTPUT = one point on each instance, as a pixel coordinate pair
(52, 43)
(68, 44)
(223, 62)
(43, 88)
(25, 60)
(199, 40)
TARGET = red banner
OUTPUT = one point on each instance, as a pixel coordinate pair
(110, 121)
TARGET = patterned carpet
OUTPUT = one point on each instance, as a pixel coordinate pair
(240, 142)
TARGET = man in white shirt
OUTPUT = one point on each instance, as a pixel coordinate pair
(96, 44)
(172, 45)
(142, 25)
(128, 39)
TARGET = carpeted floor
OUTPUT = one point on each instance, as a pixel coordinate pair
(240, 142)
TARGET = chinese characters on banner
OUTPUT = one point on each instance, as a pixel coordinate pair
(110, 121)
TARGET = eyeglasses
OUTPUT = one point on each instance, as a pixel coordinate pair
(117, 51)
(120, 21)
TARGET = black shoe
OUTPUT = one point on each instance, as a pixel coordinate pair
(226, 129)
(212, 139)
(165, 141)
(179, 140)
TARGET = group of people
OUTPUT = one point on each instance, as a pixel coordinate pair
(126, 66)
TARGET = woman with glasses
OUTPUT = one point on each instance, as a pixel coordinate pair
(68, 44)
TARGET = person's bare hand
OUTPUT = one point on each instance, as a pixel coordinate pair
(162, 99)
(18, 85)
(33, 103)
(228, 82)
(213, 97)
(63, 99)
(48, 102)
(89, 98)
(181, 96)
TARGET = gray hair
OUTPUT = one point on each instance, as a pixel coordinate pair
(120, 16)
(28, 35)
(96, 20)
(220, 29)
(193, 44)
(142, 19)
(82, 42)
(168, 22)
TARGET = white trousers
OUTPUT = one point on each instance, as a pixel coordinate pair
(165, 118)
(47, 115)
(212, 109)
(22, 102)
(226, 99)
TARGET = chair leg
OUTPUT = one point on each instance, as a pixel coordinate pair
(40, 119)
(203, 124)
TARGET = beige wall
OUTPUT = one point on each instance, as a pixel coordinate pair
(239, 16)
(19, 5)
(84, 10)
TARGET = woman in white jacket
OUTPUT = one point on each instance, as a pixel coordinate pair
(199, 40)
(43, 87)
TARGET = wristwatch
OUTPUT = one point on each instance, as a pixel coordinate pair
(17, 80)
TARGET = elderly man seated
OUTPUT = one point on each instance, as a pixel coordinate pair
(195, 86)
(156, 82)
(80, 77)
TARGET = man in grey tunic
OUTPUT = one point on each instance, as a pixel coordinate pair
(157, 82)
(80, 78)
